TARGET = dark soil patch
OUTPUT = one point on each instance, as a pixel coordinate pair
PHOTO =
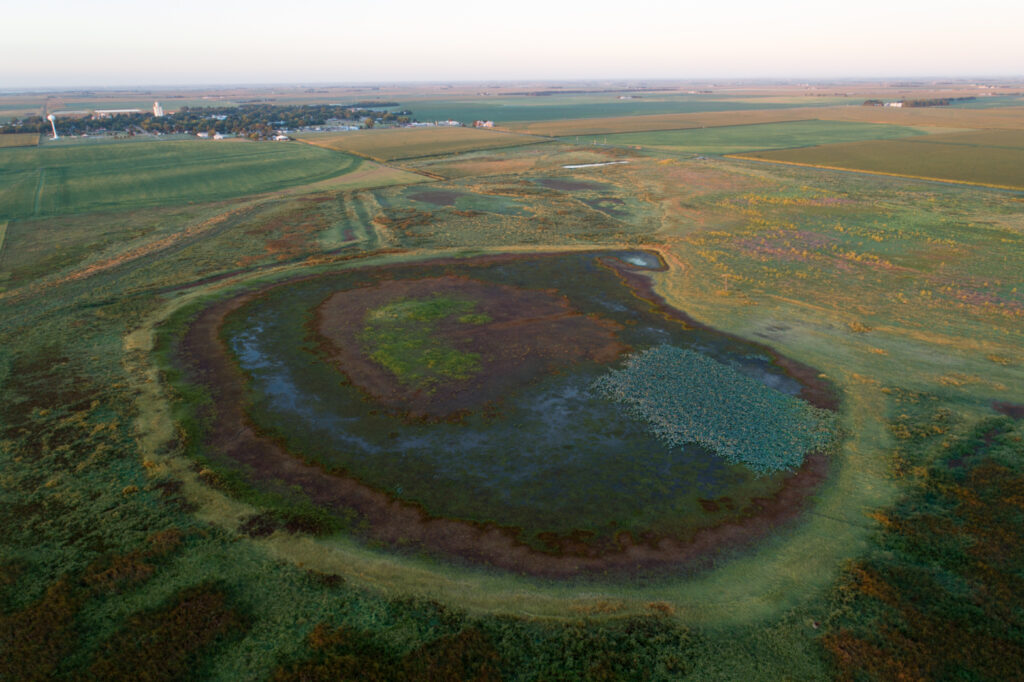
(530, 332)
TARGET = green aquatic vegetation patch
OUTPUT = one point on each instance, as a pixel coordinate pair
(402, 337)
(687, 397)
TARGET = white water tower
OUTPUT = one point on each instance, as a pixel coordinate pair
(51, 118)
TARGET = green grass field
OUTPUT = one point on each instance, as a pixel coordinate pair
(991, 158)
(392, 144)
(732, 139)
(59, 180)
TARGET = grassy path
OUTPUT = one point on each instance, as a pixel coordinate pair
(3, 236)
(37, 203)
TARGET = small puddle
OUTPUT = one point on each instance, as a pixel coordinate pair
(641, 259)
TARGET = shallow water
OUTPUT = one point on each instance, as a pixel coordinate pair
(641, 259)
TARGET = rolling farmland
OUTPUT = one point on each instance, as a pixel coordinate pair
(990, 158)
(940, 117)
(407, 143)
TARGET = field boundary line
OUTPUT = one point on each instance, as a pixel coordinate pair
(1012, 188)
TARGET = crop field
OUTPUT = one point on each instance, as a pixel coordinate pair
(57, 180)
(941, 117)
(732, 139)
(991, 158)
(19, 140)
(519, 110)
(408, 143)
(544, 411)
(629, 124)
(1004, 118)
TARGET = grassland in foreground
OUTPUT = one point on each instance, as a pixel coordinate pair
(731, 139)
(49, 181)
(990, 158)
(407, 143)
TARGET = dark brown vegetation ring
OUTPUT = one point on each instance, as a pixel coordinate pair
(399, 524)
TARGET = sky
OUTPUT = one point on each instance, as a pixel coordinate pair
(116, 42)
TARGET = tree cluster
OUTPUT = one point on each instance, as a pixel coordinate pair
(936, 102)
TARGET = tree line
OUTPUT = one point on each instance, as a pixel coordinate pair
(933, 102)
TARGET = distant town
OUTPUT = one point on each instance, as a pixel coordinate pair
(253, 121)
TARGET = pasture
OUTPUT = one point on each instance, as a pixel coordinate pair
(731, 139)
(65, 179)
(990, 158)
(394, 144)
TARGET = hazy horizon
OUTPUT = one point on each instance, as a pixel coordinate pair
(121, 44)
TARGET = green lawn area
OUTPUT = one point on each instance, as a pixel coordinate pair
(65, 179)
(733, 139)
